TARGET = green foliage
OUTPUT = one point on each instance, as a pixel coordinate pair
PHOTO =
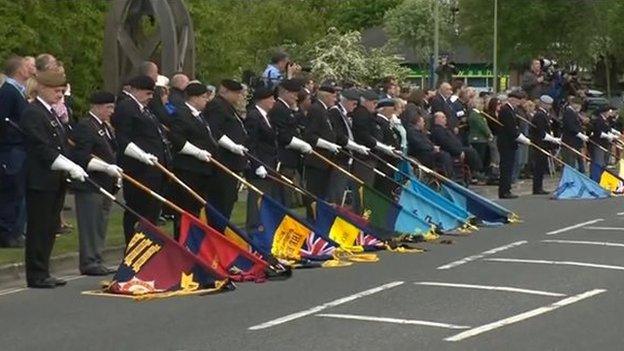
(411, 24)
(350, 15)
(341, 56)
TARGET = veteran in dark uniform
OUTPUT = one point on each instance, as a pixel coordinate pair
(541, 135)
(45, 140)
(141, 141)
(320, 132)
(340, 118)
(290, 143)
(262, 145)
(193, 145)
(93, 136)
(508, 136)
(572, 134)
(385, 110)
(601, 135)
(229, 132)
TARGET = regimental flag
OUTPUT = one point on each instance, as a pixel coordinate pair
(608, 179)
(154, 265)
(287, 236)
(386, 218)
(433, 196)
(430, 212)
(219, 252)
(576, 185)
(345, 228)
(486, 211)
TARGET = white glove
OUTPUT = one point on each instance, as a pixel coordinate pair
(613, 136)
(582, 136)
(62, 163)
(261, 172)
(522, 139)
(132, 150)
(234, 148)
(300, 145)
(351, 145)
(552, 139)
(331, 147)
(192, 150)
(607, 136)
(385, 148)
(100, 166)
(616, 132)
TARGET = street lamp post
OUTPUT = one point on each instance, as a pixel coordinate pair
(436, 42)
(495, 53)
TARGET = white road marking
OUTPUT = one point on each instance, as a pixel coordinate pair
(481, 255)
(490, 287)
(557, 263)
(605, 228)
(522, 316)
(575, 226)
(319, 308)
(393, 320)
(580, 242)
(12, 291)
(620, 213)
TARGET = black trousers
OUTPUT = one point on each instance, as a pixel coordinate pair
(317, 182)
(43, 209)
(507, 160)
(226, 193)
(141, 202)
(540, 166)
(204, 185)
(472, 159)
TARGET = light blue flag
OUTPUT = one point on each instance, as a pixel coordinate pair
(486, 211)
(576, 185)
(428, 211)
(431, 195)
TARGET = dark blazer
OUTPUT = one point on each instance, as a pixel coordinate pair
(366, 131)
(89, 137)
(440, 104)
(45, 138)
(508, 132)
(224, 120)
(286, 127)
(318, 127)
(186, 127)
(12, 104)
(541, 121)
(598, 126)
(262, 141)
(571, 126)
(418, 144)
(341, 124)
(143, 129)
(446, 140)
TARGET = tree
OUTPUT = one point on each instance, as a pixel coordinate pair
(411, 24)
(348, 15)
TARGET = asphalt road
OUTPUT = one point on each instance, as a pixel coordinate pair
(548, 300)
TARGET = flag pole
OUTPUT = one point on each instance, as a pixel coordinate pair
(179, 181)
(153, 193)
(328, 161)
(238, 177)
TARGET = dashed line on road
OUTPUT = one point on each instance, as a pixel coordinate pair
(581, 242)
(490, 287)
(605, 228)
(557, 263)
(620, 213)
(324, 306)
(392, 320)
(481, 255)
(522, 316)
(579, 225)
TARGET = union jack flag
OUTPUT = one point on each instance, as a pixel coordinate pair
(315, 246)
(364, 239)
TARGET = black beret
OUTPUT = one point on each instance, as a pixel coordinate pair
(351, 94)
(518, 94)
(231, 85)
(328, 89)
(604, 108)
(195, 89)
(370, 95)
(385, 103)
(292, 85)
(101, 97)
(142, 83)
(262, 92)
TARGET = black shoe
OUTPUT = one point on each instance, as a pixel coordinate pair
(508, 196)
(46, 283)
(541, 192)
(57, 281)
(97, 271)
